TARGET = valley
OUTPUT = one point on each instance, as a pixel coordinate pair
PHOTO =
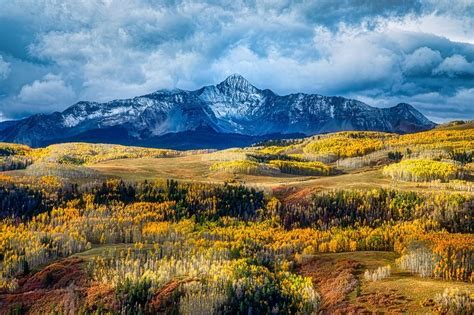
(334, 223)
(236, 157)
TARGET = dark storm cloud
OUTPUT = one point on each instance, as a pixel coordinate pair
(381, 52)
(331, 13)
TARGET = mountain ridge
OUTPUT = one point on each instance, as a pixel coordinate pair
(232, 107)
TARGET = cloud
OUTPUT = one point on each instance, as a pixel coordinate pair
(380, 51)
(436, 106)
(455, 65)
(331, 13)
(455, 27)
(4, 68)
(422, 61)
(46, 93)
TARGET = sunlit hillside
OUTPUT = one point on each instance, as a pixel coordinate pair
(344, 222)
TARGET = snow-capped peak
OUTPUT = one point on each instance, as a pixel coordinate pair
(237, 82)
(234, 106)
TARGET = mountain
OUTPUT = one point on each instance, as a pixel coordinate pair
(6, 124)
(231, 113)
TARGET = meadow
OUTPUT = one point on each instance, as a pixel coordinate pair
(348, 222)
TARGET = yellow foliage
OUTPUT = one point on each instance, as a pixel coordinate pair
(14, 149)
(302, 168)
(421, 170)
(244, 167)
(435, 139)
(347, 144)
(273, 149)
(90, 153)
(51, 182)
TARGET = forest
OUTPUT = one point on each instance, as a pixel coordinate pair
(261, 232)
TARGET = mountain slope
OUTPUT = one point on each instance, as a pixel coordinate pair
(232, 113)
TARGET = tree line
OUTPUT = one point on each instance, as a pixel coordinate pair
(346, 208)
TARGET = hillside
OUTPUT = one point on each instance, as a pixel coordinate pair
(329, 157)
(336, 223)
(457, 125)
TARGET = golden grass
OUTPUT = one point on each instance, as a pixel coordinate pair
(197, 168)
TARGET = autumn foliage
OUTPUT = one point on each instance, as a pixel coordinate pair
(189, 247)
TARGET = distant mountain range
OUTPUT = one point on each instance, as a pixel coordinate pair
(231, 113)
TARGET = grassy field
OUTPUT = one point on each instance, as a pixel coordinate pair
(292, 187)
(183, 168)
(196, 168)
(192, 168)
(135, 164)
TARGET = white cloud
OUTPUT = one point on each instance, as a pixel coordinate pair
(456, 28)
(455, 65)
(422, 61)
(47, 93)
(117, 49)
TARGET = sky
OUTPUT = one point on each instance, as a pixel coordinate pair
(54, 53)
